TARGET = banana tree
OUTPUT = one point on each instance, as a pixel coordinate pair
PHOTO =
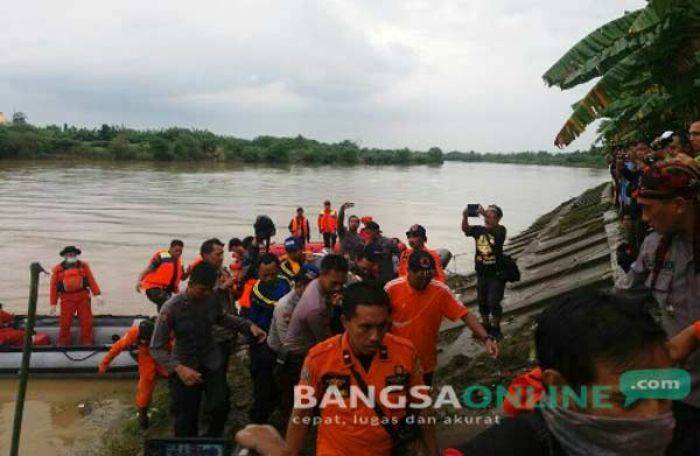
(648, 65)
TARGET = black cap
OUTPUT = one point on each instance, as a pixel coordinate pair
(421, 260)
(372, 226)
(417, 231)
(70, 249)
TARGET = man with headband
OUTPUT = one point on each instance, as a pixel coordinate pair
(668, 267)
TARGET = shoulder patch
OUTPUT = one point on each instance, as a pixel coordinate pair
(391, 341)
(324, 347)
(393, 283)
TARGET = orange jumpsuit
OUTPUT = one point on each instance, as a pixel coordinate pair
(73, 286)
(148, 369)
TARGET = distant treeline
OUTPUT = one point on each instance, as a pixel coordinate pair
(20, 140)
(592, 158)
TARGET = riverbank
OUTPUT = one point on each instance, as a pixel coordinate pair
(25, 141)
(565, 252)
(109, 143)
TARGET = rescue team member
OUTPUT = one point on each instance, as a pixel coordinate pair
(269, 289)
(195, 364)
(363, 356)
(162, 276)
(350, 241)
(299, 226)
(417, 237)
(11, 337)
(488, 264)
(291, 265)
(139, 336)
(328, 225)
(668, 266)
(418, 306)
(585, 344)
(287, 376)
(388, 249)
(72, 283)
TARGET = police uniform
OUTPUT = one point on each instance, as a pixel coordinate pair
(356, 431)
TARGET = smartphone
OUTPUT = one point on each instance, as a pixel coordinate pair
(472, 210)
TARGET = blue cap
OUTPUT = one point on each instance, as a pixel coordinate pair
(292, 243)
(308, 272)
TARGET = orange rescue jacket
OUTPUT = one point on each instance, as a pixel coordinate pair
(167, 274)
(71, 281)
(328, 221)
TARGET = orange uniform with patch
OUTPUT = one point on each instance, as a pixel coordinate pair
(148, 369)
(73, 285)
(403, 264)
(347, 430)
(417, 315)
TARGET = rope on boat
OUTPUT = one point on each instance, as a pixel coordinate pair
(65, 353)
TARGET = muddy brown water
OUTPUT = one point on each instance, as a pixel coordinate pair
(119, 214)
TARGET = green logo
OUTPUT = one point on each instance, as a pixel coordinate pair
(673, 384)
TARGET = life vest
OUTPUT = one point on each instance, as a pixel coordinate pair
(300, 228)
(328, 221)
(6, 319)
(167, 275)
(73, 279)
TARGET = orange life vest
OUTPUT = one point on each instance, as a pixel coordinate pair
(72, 280)
(300, 227)
(328, 221)
(167, 275)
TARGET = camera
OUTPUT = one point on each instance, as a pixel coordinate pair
(472, 210)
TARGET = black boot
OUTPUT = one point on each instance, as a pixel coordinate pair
(143, 418)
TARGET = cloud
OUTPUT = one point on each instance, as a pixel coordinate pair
(458, 74)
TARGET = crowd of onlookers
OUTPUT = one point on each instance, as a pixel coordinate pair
(627, 164)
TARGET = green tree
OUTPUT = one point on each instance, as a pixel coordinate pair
(119, 148)
(160, 149)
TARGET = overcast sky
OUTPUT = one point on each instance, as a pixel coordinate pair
(390, 73)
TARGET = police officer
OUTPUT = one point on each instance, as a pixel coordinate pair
(668, 265)
(364, 358)
(195, 365)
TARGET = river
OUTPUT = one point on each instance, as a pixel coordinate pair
(119, 214)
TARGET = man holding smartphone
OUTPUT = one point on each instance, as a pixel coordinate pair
(489, 238)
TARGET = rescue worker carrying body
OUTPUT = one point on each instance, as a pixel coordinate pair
(328, 225)
(161, 278)
(269, 289)
(139, 336)
(364, 358)
(299, 226)
(291, 265)
(195, 363)
(417, 237)
(72, 283)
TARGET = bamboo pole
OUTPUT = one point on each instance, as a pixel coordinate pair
(35, 270)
